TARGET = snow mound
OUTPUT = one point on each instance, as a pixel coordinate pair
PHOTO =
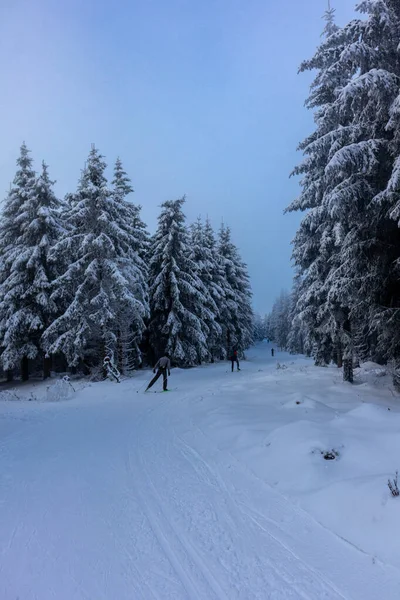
(300, 401)
(60, 390)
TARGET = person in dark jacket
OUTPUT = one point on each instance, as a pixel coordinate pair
(235, 359)
(272, 352)
(162, 367)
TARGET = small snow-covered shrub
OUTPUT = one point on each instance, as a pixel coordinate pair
(279, 366)
(327, 454)
(61, 390)
(111, 369)
(8, 395)
(393, 486)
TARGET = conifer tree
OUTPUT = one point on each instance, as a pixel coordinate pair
(103, 279)
(298, 341)
(177, 304)
(30, 225)
(315, 241)
(259, 328)
(216, 287)
(279, 321)
(346, 247)
(358, 170)
(237, 314)
(122, 188)
(202, 257)
(129, 338)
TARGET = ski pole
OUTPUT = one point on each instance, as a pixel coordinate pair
(141, 387)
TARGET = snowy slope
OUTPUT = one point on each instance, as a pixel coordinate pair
(217, 490)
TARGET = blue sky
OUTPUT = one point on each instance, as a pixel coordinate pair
(197, 97)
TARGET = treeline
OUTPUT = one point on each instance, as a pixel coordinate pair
(346, 296)
(277, 326)
(282, 326)
(82, 279)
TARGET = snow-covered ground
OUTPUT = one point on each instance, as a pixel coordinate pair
(218, 490)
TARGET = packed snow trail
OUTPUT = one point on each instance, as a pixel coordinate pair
(128, 496)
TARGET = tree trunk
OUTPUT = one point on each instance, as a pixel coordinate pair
(348, 369)
(102, 357)
(396, 376)
(10, 375)
(339, 354)
(120, 354)
(47, 365)
(25, 369)
(348, 354)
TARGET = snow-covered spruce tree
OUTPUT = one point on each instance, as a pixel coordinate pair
(318, 239)
(130, 336)
(202, 254)
(103, 279)
(237, 313)
(30, 225)
(298, 341)
(122, 185)
(122, 188)
(269, 332)
(258, 328)
(178, 307)
(216, 286)
(279, 321)
(362, 278)
(386, 314)
(357, 289)
(271, 323)
(365, 180)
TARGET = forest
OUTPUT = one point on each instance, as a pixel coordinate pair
(81, 279)
(345, 302)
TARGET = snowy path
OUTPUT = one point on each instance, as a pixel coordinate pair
(131, 496)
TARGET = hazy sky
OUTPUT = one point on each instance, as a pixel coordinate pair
(198, 97)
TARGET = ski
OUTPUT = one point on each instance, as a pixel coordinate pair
(159, 391)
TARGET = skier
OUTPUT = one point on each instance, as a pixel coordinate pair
(162, 367)
(234, 359)
(272, 352)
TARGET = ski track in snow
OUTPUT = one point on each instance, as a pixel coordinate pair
(125, 496)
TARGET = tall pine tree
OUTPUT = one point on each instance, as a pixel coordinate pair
(237, 313)
(314, 244)
(130, 337)
(204, 260)
(177, 303)
(103, 279)
(347, 247)
(122, 188)
(30, 225)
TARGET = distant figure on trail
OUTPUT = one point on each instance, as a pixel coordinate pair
(272, 352)
(162, 367)
(234, 359)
